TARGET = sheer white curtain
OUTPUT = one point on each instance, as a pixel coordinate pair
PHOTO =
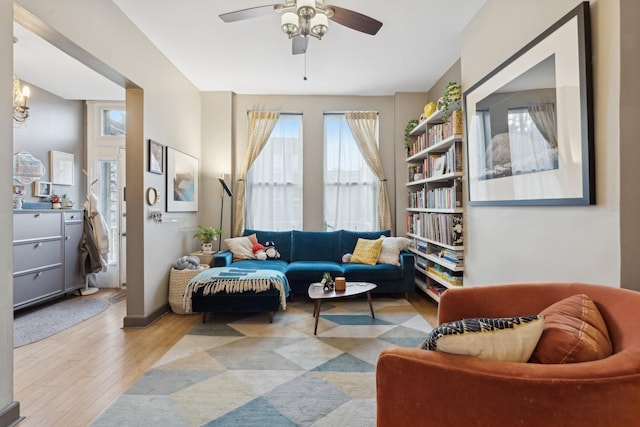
(261, 124)
(364, 127)
(530, 150)
(350, 186)
(274, 181)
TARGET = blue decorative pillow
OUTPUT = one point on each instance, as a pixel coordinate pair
(507, 338)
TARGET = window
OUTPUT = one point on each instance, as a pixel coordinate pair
(350, 187)
(274, 181)
(113, 122)
(533, 139)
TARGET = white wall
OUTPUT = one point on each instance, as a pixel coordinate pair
(6, 213)
(166, 108)
(629, 147)
(54, 124)
(517, 244)
(217, 137)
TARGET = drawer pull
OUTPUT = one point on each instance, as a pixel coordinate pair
(72, 217)
(37, 245)
(38, 274)
(37, 215)
(67, 237)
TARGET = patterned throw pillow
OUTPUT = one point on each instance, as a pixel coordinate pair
(366, 251)
(510, 339)
(391, 248)
(242, 247)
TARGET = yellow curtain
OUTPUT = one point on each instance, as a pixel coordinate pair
(363, 127)
(261, 124)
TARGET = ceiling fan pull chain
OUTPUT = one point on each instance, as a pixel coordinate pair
(305, 66)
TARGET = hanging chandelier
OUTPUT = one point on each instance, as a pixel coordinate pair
(308, 19)
(20, 99)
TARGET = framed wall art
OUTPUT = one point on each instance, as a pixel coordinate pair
(42, 189)
(182, 182)
(61, 168)
(529, 123)
(156, 157)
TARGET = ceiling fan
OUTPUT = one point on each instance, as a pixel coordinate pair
(303, 18)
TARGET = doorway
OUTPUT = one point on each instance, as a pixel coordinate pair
(106, 157)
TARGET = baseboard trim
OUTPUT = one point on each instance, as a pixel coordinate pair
(144, 321)
(10, 415)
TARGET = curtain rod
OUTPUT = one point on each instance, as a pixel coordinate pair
(350, 111)
(287, 113)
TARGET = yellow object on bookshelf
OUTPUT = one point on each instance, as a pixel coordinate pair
(429, 109)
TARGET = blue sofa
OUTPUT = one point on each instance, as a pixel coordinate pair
(305, 255)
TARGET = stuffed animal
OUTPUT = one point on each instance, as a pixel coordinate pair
(270, 249)
(259, 252)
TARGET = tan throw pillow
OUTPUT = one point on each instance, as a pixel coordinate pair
(391, 248)
(242, 247)
(574, 331)
(510, 339)
(366, 251)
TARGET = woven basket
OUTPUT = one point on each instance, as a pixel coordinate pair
(178, 281)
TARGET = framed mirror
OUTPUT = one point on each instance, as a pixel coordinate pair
(529, 123)
(26, 168)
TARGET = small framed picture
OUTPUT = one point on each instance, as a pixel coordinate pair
(42, 189)
(439, 167)
(156, 157)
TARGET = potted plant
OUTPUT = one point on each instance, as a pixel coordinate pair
(207, 234)
(452, 94)
(408, 139)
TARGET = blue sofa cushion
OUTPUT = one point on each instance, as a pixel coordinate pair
(350, 238)
(316, 246)
(371, 273)
(269, 264)
(282, 240)
(311, 271)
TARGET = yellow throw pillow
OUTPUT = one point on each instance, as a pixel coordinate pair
(367, 251)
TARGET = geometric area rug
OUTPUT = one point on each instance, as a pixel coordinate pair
(241, 370)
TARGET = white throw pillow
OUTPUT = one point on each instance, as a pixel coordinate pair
(242, 247)
(391, 248)
(510, 339)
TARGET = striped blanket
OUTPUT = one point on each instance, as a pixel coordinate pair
(236, 280)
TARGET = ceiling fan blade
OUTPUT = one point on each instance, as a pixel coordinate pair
(355, 21)
(299, 44)
(252, 12)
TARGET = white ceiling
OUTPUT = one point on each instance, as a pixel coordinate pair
(418, 42)
(37, 62)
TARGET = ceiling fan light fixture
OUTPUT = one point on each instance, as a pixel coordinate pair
(290, 23)
(306, 9)
(319, 25)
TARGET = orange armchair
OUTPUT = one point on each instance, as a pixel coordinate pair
(416, 387)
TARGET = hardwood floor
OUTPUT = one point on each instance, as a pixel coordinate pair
(70, 378)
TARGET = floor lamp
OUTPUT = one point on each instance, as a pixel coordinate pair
(227, 190)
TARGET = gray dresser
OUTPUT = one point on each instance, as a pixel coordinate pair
(46, 254)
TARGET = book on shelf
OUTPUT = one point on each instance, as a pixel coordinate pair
(417, 199)
(452, 277)
(442, 131)
(443, 228)
(437, 288)
(439, 165)
(445, 197)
